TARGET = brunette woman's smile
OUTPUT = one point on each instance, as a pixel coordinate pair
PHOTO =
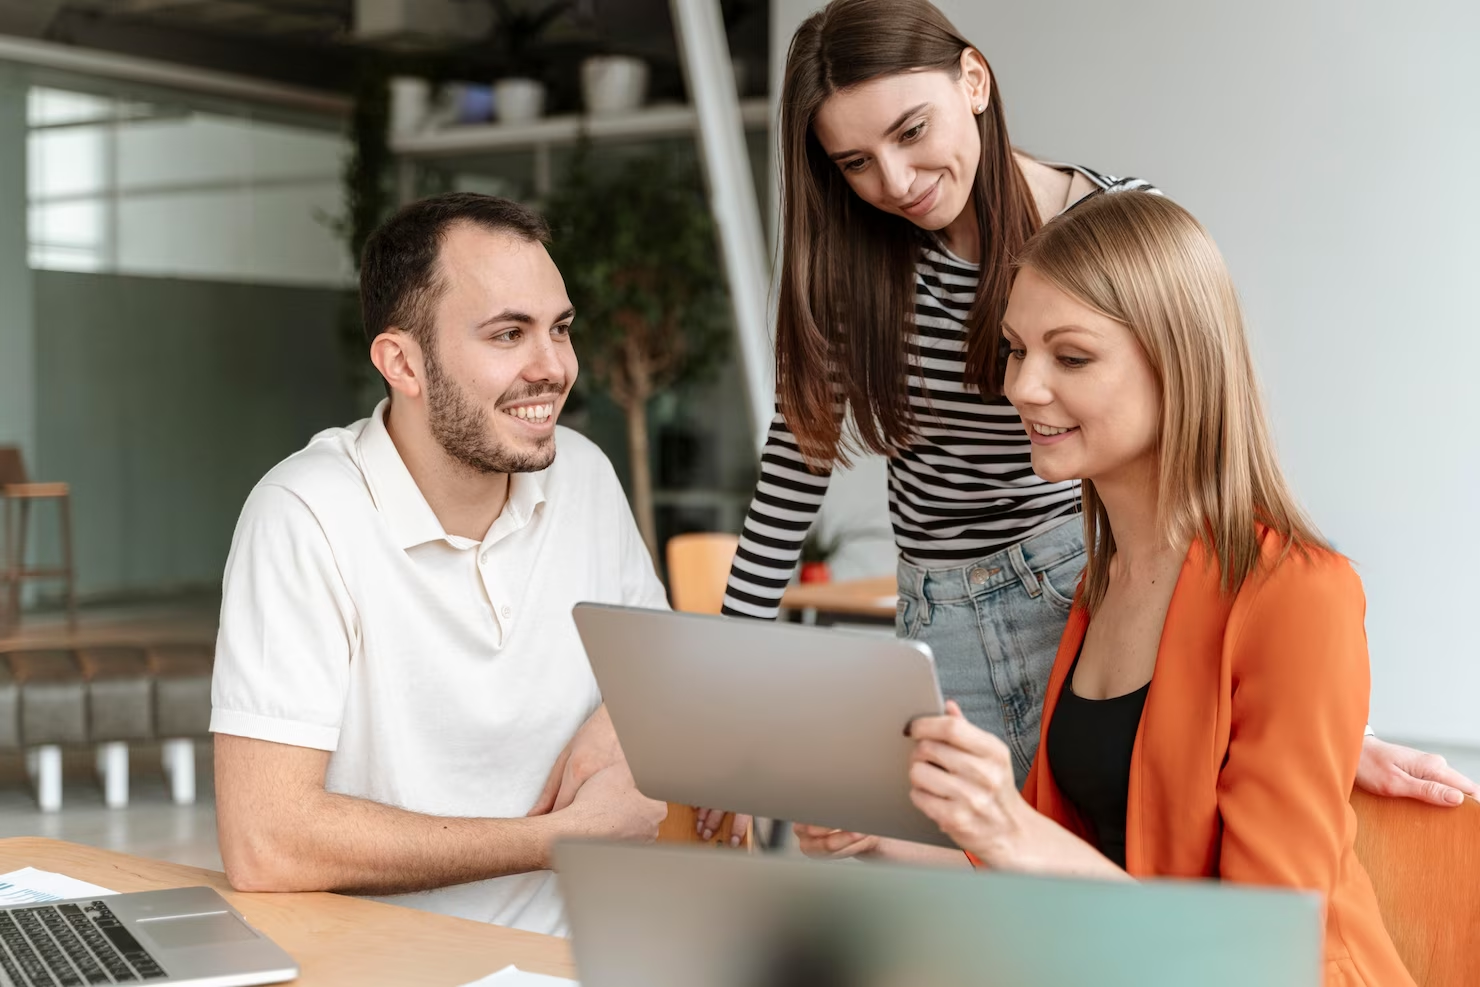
(924, 203)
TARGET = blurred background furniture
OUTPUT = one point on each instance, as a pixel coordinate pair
(109, 697)
(53, 714)
(1424, 862)
(18, 493)
(120, 709)
(10, 712)
(698, 568)
(182, 710)
(860, 600)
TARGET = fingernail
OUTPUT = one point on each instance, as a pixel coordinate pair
(1454, 796)
(708, 834)
(699, 826)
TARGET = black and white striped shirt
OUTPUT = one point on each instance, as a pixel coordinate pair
(963, 489)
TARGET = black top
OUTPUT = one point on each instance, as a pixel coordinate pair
(1089, 751)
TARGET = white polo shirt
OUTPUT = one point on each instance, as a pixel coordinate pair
(444, 673)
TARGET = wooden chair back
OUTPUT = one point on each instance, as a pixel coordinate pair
(12, 467)
(1424, 862)
(698, 569)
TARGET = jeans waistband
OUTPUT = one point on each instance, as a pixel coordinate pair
(1016, 564)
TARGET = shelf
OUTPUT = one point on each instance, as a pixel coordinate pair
(700, 498)
(654, 121)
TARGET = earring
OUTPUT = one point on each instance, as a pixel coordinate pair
(980, 108)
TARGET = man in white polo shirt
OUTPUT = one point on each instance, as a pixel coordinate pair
(402, 705)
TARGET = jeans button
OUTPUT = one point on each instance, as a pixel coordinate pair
(979, 575)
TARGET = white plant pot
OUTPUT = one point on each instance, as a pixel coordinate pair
(518, 100)
(613, 84)
(411, 104)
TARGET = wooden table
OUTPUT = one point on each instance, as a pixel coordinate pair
(874, 598)
(335, 939)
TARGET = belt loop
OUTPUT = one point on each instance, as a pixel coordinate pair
(1020, 566)
(914, 578)
(927, 607)
(918, 576)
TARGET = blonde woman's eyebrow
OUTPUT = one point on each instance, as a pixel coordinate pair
(1060, 330)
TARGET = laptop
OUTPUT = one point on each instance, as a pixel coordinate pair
(179, 936)
(677, 917)
(774, 720)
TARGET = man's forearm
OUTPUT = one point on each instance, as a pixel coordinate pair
(907, 852)
(331, 842)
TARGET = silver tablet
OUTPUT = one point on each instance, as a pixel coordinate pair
(798, 723)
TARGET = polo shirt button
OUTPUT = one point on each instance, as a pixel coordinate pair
(507, 612)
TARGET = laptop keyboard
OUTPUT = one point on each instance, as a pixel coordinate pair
(71, 945)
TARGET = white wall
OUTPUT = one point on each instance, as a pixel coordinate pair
(17, 305)
(1329, 147)
(162, 401)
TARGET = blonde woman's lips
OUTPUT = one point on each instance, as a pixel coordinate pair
(1041, 434)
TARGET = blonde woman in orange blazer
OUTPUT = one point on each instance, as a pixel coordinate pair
(1205, 713)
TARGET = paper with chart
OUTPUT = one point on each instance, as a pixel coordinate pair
(29, 885)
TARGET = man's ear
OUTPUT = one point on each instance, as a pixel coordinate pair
(398, 357)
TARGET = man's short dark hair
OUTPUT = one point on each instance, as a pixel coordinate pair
(399, 285)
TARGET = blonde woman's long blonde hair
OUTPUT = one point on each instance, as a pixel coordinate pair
(1143, 261)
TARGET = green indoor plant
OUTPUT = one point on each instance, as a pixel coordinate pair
(636, 244)
(368, 199)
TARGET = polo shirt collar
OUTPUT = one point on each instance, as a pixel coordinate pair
(526, 493)
(405, 509)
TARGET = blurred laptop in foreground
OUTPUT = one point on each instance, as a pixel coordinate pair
(637, 922)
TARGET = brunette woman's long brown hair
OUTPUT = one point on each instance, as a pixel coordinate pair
(847, 269)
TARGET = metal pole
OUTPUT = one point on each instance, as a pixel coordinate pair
(706, 62)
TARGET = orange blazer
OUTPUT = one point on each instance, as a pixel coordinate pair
(1247, 750)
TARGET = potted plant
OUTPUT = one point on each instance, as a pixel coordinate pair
(367, 200)
(613, 84)
(636, 244)
(519, 95)
(816, 551)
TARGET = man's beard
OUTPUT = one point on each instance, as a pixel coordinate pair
(462, 428)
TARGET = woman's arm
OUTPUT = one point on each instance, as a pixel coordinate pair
(781, 513)
(961, 777)
(1300, 690)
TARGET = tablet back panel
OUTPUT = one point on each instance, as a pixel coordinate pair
(798, 723)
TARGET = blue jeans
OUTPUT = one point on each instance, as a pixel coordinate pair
(994, 626)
